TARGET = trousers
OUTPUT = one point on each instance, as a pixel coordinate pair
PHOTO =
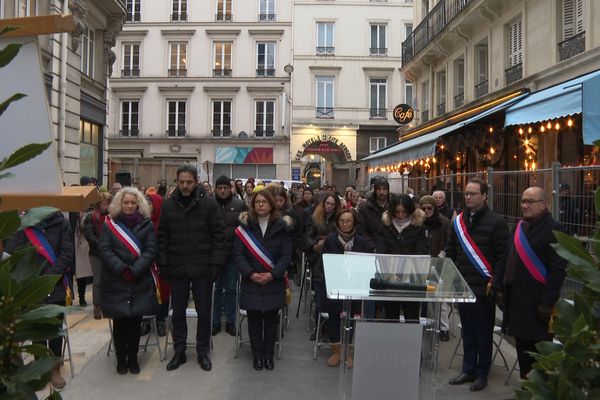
(126, 337)
(477, 321)
(262, 330)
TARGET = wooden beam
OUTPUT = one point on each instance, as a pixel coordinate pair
(42, 25)
(73, 198)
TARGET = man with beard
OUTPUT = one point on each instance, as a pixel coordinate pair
(191, 241)
(369, 214)
(225, 285)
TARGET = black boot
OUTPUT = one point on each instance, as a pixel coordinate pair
(132, 364)
(121, 364)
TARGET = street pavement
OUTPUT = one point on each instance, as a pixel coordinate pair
(296, 375)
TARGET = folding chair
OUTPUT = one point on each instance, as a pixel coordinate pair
(496, 344)
(153, 332)
(67, 347)
(321, 320)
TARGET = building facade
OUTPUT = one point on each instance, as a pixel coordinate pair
(475, 62)
(76, 77)
(346, 81)
(205, 82)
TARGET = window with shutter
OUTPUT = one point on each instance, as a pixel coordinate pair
(572, 18)
(515, 53)
(459, 73)
(482, 61)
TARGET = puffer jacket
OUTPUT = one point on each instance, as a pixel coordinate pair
(489, 231)
(58, 231)
(191, 240)
(411, 241)
(231, 209)
(369, 218)
(278, 243)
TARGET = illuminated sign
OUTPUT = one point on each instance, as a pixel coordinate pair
(403, 114)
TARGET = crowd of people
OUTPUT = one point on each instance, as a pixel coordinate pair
(252, 235)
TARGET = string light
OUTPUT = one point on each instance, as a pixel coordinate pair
(570, 123)
(549, 125)
(530, 130)
(520, 131)
(543, 129)
(557, 126)
(491, 129)
(492, 151)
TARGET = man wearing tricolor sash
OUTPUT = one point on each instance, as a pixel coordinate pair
(477, 244)
(528, 284)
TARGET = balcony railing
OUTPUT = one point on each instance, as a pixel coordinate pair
(513, 73)
(130, 72)
(221, 132)
(264, 133)
(325, 50)
(266, 17)
(425, 116)
(377, 113)
(131, 17)
(572, 46)
(128, 132)
(225, 72)
(224, 17)
(172, 132)
(441, 108)
(441, 15)
(177, 72)
(378, 51)
(481, 89)
(324, 112)
(265, 72)
(459, 100)
(179, 17)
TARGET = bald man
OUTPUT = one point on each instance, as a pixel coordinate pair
(528, 283)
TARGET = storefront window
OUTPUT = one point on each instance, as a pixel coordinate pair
(89, 139)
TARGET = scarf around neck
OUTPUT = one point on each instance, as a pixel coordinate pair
(401, 224)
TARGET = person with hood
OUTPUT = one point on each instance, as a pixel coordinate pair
(402, 232)
(191, 242)
(53, 240)
(262, 292)
(438, 233)
(127, 248)
(226, 285)
(370, 213)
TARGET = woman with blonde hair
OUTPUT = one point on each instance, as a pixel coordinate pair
(128, 248)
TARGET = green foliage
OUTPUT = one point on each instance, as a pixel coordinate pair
(570, 369)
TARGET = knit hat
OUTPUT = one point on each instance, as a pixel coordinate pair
(380, 181)
(427, 199)
(222, 180)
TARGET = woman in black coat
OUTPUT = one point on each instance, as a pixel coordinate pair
(127, 288)
(342, 240)
(263, 289)
(402, 232)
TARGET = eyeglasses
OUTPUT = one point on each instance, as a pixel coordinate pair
(426, 208)
(471, 194)
(261, 202)
(346, 221)
(529, 201)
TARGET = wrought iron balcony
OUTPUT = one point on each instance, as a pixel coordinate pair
(224, 17)
(130, 72)
(431, 26)
(459, 100)
(265, 72)
(179, 132)
(128, 132)
(177, 72)
(179, 17)
(266, 17)
(221, 132)
(441, 108)
(377, 113)
(264, 133)
(425, 116)
(325, 50)
(572, 46)
(378, 51)
(222, 72)
(324, 112)
(513, 73)
(481, 89)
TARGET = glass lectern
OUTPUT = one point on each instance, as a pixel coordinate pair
(393, 360)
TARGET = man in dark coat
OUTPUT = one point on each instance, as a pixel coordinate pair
(191, 243)
(489, 232)
(526, 301)
(442, 206)
(57, 230)
(225, 285)
(370, 213)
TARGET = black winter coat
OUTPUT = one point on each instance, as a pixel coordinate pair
(314, 232)
(230, 209)
(278, 243)
(118, 298)
(411, 241)
(58, 231)
(369, 219)
(490, 232)
(522, 292)
(191, 240)
(91, 234)
(438, 232)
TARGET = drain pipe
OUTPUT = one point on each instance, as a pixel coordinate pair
(62, 96)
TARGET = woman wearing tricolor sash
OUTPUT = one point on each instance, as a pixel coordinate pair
(263, 252)
(128, 248)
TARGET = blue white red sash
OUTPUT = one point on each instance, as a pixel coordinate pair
(475, 255)
(534, 265)
(45, 249)
(255, 247)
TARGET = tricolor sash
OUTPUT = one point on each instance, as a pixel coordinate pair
(132, 243)
(474, 254)
(534, 265)
(45, 249)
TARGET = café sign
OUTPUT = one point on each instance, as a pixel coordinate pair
(403, 114)
(327, 146)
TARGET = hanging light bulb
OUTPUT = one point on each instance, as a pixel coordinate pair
(526, 142)
(515, 156)
(491, 129)
(520, 131)
(434, 160)
(421, 162)
(549, 125)
(570, 123)
(543, 129)
(557, 126)
(457, 158)
(530, 130)
(442, 147)
(492, 150)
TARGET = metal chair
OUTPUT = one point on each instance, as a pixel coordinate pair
(496, 344)
(153, 331)
(321, 320)
(67, 347)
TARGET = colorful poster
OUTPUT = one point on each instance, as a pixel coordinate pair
(244, 155)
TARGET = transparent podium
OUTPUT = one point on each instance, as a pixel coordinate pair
(398, 358)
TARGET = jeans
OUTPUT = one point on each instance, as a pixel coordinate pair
(225, 294)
